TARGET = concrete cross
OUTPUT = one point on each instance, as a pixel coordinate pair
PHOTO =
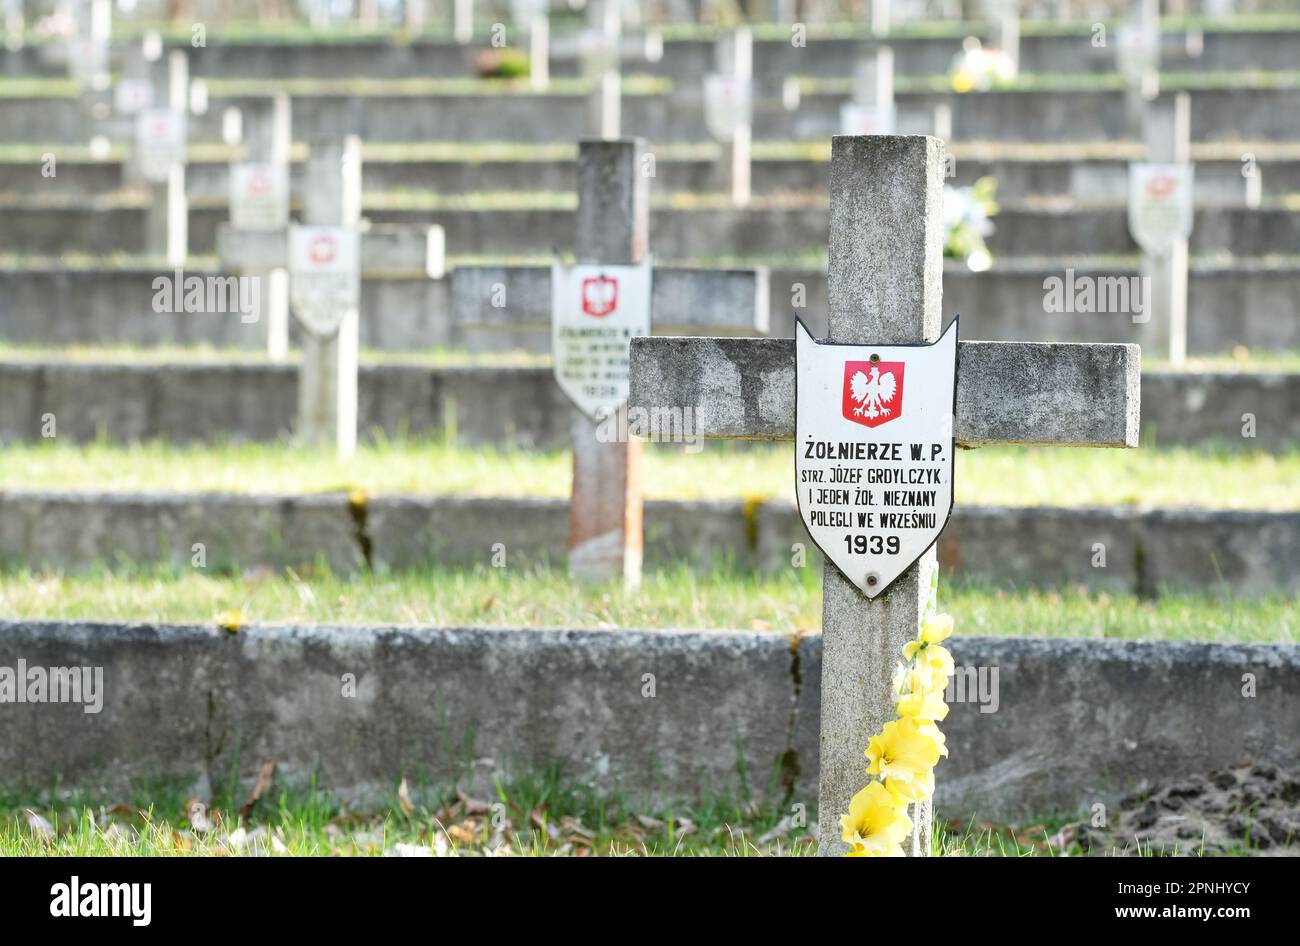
(1138, 48)
(1007, 31)
(885, 286)
(157, 130)
(462, 20)
(871, 111)
(267, 132)
(734, 56)
(387, 249)
(1167, 126)
(613, 226)
(87, 46)
(327, 380)
(601, 50)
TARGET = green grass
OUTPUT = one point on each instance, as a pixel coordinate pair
(539, 816)
(788, 602)
(1011, 476)
(544, 815)
(1246, 79)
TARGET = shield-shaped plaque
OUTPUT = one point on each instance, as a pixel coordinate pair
(867, 119)
(259, 196)
(874, 451)
(324, 276)
(595, 313)
(1159, 205)
(728, 104)
(159, 142)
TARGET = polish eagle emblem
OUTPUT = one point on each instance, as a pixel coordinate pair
(872, 391)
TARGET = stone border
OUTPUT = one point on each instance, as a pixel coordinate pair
(1243, 554)
(206, 401)
(54, 306)
(1077, 722)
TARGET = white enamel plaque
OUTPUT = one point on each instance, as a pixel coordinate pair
(866, 119)
(1159, 205)
(159, 142)
(1138, 48)
(324, 276)
(728, 104)
(132, 96)
(874, 451)
(259, 196)
(595, 313)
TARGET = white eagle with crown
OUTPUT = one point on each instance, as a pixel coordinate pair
(872, 393)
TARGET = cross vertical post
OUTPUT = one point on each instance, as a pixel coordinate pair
(268, 139)
(1139, 59)
(885, 285)
(600, 68)
(167, 216)
(613, 226)
(1008, 31)
(413, 13)
(871, 110)
(735, 58)
(879, 17)
(462, 17)
(539, 50)
(1167, 129)
(327, 381)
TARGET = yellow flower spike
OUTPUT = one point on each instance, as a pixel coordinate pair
(876, 824)
(923, 705)
(902, 751)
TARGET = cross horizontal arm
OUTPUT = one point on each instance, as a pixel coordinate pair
(682, 301)
(1007, 392)
(386, 249)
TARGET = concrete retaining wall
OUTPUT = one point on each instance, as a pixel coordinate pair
(1093, 180)
(1256, 114)
(1076, 722)
(492, 404)
(1243, 303)
(1113, 549)
(388, 58)
(92, 227)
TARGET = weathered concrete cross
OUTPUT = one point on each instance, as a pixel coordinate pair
(1161, 228)
(885, 287)
(262, 250)
(613, 227)
(327, 379)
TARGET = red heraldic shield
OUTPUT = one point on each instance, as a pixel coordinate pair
(599, 295)
(873, 391)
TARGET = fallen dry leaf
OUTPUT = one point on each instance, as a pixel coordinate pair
(39, 826)
(473, 806)
(404, 798)
(264, 777)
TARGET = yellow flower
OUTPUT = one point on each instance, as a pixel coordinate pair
(876, 824)
(919, 789)
(923, 705)
(931, 730)
(934, 657)
(962, 82)
(904, 754)
(936, 628)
